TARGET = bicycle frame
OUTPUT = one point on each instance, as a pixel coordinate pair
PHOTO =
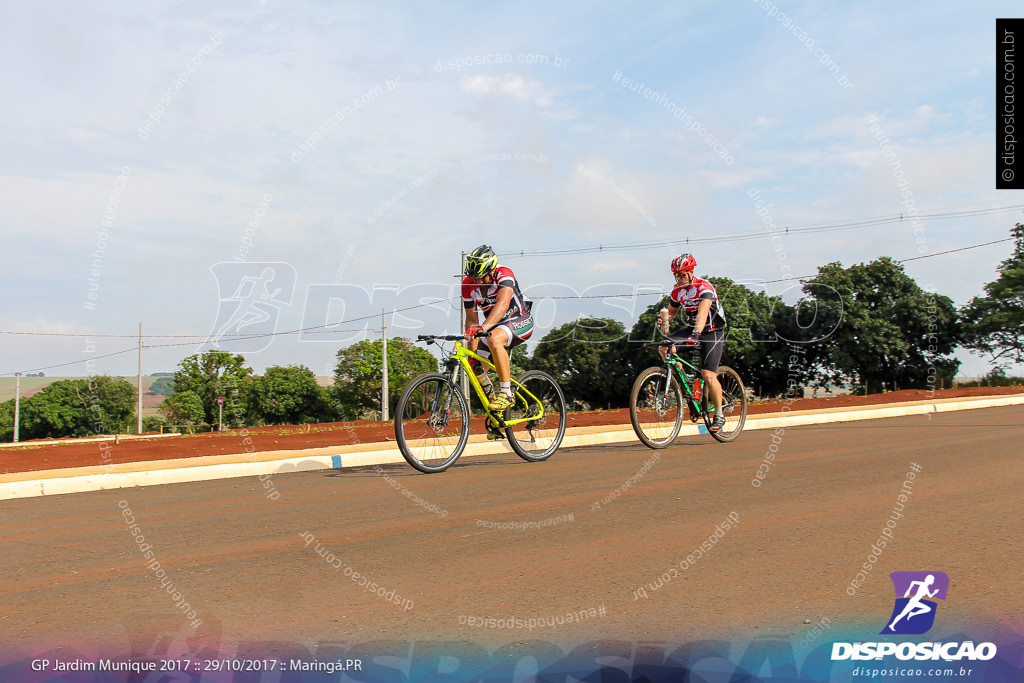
(679, 365)
(460, 358)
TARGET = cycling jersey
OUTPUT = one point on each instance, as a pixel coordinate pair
(689, 297)
(486, 296)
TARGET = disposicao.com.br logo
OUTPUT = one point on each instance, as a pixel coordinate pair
(913, 613)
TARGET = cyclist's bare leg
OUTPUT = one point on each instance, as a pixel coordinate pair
(714, 389)
(499, 354)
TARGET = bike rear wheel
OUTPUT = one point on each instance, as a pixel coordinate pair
(734, 405)
(431, 423)
(656, 407)
(537, 440)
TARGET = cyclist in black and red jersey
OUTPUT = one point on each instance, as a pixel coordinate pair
(495, 290)
(705, 326)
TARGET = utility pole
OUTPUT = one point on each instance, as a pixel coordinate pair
(384, 368)
(138, 429)
(464, 379)
(17, 402)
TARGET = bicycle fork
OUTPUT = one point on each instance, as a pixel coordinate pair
(439, 416)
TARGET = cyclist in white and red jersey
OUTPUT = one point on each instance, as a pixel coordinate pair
(495, 290)
(705, 326)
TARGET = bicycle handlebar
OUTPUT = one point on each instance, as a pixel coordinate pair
(430, 338)
(671, 342)
(445, 337)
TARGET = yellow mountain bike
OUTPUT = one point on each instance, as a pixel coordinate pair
(432, 419)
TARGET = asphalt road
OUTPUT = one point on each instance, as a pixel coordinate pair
(586, 534)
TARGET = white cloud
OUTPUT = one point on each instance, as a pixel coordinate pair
(511, 85)
(616, 160)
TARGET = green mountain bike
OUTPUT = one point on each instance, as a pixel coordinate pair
(432, 419)
(661, 395)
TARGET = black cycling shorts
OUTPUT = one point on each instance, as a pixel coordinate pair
(518, 329)
(710, 345)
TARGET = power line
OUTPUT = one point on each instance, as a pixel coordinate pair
(950, 251)
(261, 336)
(912, 258)
(741, 237)
(318, 328)
(232, 337)
(74, 362)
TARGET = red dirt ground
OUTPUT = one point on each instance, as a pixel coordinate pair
(46, 455)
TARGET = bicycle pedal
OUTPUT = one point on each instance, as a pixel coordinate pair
(497, 421)
(494, 436)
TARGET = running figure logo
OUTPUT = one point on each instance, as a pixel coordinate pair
(251, 298)
(914, 611)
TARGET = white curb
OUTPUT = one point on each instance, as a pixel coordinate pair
(78, 480)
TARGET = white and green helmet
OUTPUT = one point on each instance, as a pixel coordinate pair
(481, 262)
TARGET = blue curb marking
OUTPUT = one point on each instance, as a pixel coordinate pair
(336, 461)
(701, 429)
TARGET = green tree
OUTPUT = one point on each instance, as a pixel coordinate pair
(7, 420)
(994, 323)
(764, 343)
(591, 359)
(162, 386)
(78, 407)
(887, 331)
(357, 376)
(153, 423)
(183, 408)
(759, 344)
(214, 374)
(289, 395)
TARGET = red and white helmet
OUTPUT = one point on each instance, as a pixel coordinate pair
(683, 263)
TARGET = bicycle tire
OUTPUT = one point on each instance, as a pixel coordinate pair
(430, 440)
(537, 440)
(734, 405)
(656, 424)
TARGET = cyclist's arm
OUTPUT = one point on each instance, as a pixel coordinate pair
(472, 320)
(702, 315)
(499, 310)
(672, 309)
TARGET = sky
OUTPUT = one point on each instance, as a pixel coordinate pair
(253, 168)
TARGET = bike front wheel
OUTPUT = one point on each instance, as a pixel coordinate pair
(734, 405)
(537, 440)
(431, 423)
(656, 407)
